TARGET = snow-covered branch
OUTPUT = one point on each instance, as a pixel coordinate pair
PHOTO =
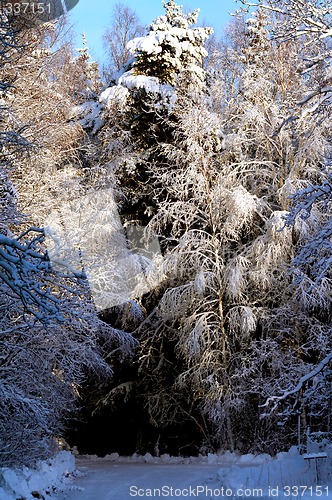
(26, 270)
(316, 249)
(275, 400)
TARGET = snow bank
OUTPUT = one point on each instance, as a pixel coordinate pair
(285, 471)
(47, 477)
(228, 457)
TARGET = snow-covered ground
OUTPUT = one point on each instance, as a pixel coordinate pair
(289, 475)
(229, 475)
(124, 481)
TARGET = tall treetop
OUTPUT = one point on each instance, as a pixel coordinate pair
(171, 47)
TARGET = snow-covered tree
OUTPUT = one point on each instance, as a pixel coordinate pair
(47, 345)
(124, 26)
(300, 376)
(226, 267)
(311, 21)
(167, 60)
(218, 342)
(304, 383)
(51, 339)
(172, 47)
(236, 326)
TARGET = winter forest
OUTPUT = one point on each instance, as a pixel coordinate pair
(165, 233)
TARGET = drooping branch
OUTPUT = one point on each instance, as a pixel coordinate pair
(26, 270)
(296, 390)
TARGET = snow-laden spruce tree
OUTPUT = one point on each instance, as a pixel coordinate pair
(166, 60)
(171, 47)
(166, 63)
(169, 56)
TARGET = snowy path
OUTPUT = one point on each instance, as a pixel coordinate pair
(111, 481)
(289, 476)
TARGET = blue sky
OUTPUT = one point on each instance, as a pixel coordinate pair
(93, 16)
